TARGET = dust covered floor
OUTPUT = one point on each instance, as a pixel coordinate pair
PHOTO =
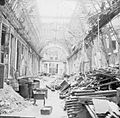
(52, 100)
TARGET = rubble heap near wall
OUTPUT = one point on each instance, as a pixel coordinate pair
(10, 101)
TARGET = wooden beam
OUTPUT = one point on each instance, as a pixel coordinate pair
(105, 18)
(101, 93)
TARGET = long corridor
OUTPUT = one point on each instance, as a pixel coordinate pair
(70, 47)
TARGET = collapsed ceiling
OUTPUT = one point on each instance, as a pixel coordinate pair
(57, 22)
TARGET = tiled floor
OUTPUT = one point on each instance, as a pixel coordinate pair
(52, 100)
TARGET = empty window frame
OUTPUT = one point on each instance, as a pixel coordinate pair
(114, 44)
(3, 38)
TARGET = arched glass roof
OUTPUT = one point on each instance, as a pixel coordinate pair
(62, 22)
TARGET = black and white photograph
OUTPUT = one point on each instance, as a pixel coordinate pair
(59, 58)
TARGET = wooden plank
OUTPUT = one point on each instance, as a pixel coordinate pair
(102, 80)
(100, 93)
(82, 91)
(84, 99)
(106, 84)
(93, 115)
(114, 108)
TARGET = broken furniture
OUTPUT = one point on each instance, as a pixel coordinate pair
(64, 89)
(80, 103)
(40, 94)
(64, 85)
(36, 83)
(102, 108)
(44, 91)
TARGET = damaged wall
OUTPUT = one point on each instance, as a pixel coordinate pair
(15, 52)
(101, 46)
(94, 56)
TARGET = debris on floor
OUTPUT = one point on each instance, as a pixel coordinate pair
(10, 101)
(85, 89)
(46, 110)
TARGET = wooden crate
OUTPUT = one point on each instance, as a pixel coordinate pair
(42, 91)
(39, 96)
(46, 110)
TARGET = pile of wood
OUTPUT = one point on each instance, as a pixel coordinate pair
(105, 79)
(96, 86)
(92, 104)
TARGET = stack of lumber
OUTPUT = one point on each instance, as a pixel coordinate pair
(101, 79)
(81, 97)
(81, 104)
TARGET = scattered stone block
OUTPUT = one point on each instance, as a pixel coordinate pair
(46, 110)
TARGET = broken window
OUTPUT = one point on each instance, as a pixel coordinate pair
(3, 37)
(45, 68)
(56, 68)
(50, 67)
(51, 58)
(56, 58)
(114, 45)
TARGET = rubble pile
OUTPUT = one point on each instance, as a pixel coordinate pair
(53, 83)
(81, 104)
(87, 90)
(99, 79)
(105, 79)
(83, 92)
(10, 101)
